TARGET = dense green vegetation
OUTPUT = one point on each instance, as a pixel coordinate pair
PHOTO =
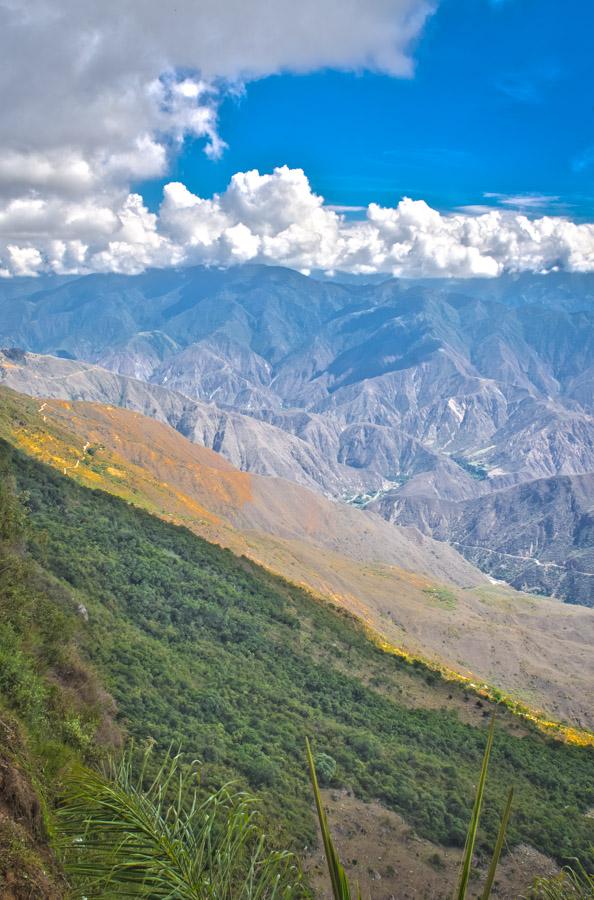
(143, 836)
(37, 656)
(52, 708)
(212, 653)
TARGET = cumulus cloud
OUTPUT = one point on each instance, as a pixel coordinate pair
(277, 219)
(97, 94)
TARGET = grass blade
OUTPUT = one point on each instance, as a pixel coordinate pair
(474, 822)
(498, 846)
(570, 884)
(338, 879)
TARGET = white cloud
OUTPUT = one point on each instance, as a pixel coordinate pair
(99, 95)
(22, 261)
(345, 208)
(277, 219)
(525, 201)
(96, 94)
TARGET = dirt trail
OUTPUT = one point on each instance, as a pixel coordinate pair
(79, 460)
(532, 559)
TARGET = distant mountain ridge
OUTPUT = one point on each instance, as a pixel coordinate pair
(405, 394)
(538, 535)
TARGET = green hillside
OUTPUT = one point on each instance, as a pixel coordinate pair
(212, 653)
(54, 711)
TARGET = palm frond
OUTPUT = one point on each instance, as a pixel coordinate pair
(167, 840)
(498, 846)
(340, 886)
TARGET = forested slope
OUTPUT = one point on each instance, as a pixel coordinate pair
(418, 594)
(54, 712)
(213, 653)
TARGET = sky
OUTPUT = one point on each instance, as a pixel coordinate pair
(407, 137)
(501, 102)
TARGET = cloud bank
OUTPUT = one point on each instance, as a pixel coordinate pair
(277, 219)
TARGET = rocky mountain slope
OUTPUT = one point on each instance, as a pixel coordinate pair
(420, 595)
(402, 393)
(537, 536)
(248, 443)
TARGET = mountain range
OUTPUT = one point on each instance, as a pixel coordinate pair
(462, 407)
(241, 507)
(417, 594)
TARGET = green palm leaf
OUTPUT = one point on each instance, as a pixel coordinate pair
(498, 846)
(121, 838)
(338, 879)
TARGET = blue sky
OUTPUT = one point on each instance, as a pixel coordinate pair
(445, 137)
(501, 103)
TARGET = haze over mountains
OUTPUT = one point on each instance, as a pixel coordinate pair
(464, 408)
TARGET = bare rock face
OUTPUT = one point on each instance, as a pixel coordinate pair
(537, 536)
(445, 404)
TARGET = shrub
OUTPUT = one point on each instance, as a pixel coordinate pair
(326, 767)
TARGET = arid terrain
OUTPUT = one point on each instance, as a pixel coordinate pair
(388, 861)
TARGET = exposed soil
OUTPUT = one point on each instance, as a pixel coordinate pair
(389, 861)
(27, 870)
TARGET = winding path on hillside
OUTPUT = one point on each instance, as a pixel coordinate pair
(532, 559)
